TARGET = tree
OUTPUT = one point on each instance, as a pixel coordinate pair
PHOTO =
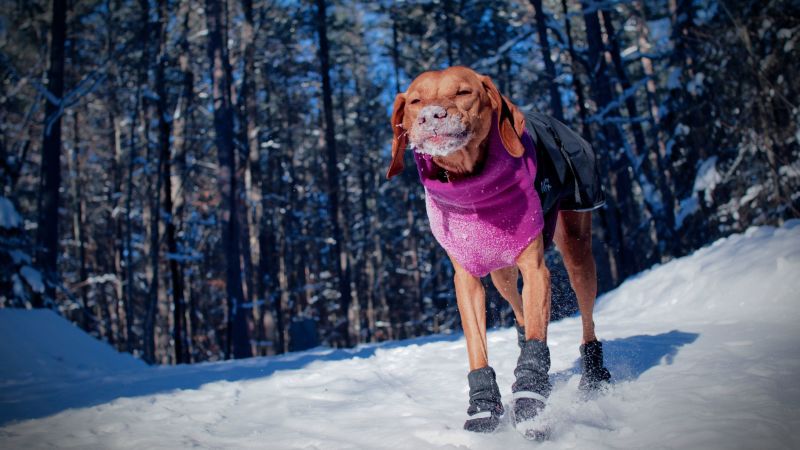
(550, 68)
(339, 257)
(238, 343)
(47, 230)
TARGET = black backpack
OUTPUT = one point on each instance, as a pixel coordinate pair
(567, 174)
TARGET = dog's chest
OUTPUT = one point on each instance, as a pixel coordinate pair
(484, 221)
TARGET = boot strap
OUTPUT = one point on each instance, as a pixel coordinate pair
(529, 394)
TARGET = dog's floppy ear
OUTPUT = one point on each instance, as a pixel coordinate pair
(510, 120)
(400, 140)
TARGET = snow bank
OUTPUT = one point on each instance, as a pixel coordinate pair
(39, 346)
(703, 351)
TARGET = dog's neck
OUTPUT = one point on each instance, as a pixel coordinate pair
(464, 162)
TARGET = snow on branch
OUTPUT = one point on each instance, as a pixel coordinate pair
(489, 61)
(594, 6)
(599, 116)
(652, 196)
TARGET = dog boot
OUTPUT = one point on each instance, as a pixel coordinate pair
(485, 408)
(595, 376)
(532, 387)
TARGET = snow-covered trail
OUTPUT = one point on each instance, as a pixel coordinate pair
(704, 351)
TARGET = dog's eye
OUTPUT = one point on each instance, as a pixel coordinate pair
(464, 92)
(415, 101)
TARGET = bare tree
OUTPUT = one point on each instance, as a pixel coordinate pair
(48, 224)
(339, 259)
(238, 342)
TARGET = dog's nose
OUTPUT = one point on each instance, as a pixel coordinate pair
(431, 112)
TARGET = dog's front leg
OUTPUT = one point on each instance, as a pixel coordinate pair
(535, 291)
(532, 385)
(471, 300)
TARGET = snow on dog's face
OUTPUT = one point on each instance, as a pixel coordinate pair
(447, 114)
(446, 111)
(437, 132)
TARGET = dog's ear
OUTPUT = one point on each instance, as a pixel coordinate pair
(400, 139)
(510, 120)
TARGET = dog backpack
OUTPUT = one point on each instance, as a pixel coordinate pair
(567, 175)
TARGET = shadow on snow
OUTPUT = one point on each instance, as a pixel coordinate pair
(24, 401)
(628, 358)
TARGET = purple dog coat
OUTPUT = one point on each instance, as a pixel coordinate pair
(485, 221)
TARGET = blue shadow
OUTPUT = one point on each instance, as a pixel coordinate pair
(628, 358)
(36, 400)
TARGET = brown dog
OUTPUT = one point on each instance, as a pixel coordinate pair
(449, 115)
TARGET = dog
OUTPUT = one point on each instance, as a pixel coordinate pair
(478, 163)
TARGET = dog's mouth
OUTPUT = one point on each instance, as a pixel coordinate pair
(435, 143)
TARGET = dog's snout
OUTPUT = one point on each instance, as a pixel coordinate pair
(431, 112)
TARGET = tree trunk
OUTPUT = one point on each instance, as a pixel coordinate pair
(609, 148)
(550, 68)
(155, 201)
(47, 230)
(175, 196)
(576, 79)
(129, 294)
(238, 343)
(165, 180)
(252, 176)
(78, 226)
(333, 171)
(662, 211)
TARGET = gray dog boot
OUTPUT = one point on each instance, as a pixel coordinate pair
(595, 376)
(485, 408)
(532, 386)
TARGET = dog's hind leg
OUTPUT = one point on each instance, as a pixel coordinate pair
(573, 237)
(574, 240)
(505, 280)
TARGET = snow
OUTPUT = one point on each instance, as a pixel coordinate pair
(695, 86)
(707, 177)
(39, 346)
(660, 32)
(751, 194)
(688, 206)
(674, 79)
(33, 277)
(439, 137)
(703, 350)
(9, 217)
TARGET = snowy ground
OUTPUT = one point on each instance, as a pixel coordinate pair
(704, 351)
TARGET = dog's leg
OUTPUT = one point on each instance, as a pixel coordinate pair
(574, 240)
(471, 300)
(505, 280)
(532, 385)
(573, 237)
(485, 405)
(535, 290)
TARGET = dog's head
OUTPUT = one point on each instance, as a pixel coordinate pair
(448, 111)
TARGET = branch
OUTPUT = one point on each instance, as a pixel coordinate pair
(600, 115)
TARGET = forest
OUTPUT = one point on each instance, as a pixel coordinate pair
(196, 180)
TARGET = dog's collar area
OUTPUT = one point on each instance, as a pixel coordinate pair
(445, 176)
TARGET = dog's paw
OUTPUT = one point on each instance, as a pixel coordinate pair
(484, 422)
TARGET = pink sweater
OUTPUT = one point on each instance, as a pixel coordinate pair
(485, 221)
